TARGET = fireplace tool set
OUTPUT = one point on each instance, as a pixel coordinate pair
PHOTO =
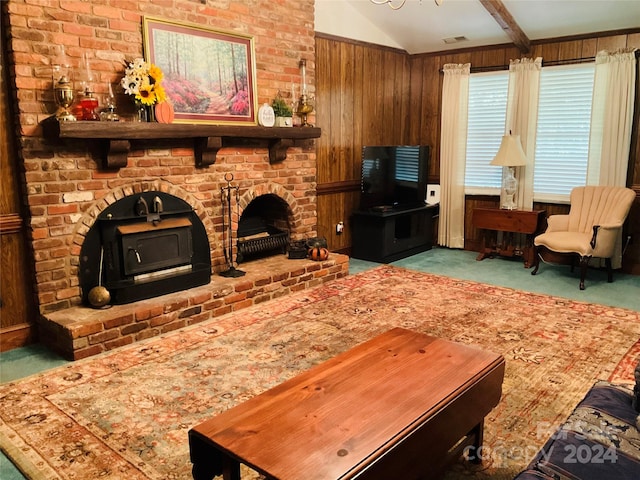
(225, 195)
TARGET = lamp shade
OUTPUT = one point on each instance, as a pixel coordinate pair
(510, 153)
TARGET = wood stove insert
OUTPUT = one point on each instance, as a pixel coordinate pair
(151, 244)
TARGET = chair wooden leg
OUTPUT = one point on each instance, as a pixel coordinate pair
(536, 260)
(607, 262)
(584, 263)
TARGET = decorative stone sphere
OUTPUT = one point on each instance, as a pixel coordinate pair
(99, 297)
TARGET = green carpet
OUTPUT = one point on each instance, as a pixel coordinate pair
(507, 272)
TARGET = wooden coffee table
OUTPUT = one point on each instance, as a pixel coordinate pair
(402, 405)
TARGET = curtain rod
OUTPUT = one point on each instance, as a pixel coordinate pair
(549, 63)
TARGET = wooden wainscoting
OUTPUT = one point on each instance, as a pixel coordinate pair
(17, 305)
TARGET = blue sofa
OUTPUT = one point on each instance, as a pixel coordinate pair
(599, 441)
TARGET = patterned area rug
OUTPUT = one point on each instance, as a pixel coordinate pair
(126, 414)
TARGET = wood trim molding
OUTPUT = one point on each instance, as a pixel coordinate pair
(543, 41)
(11, 223)
(338, 187)
(586, 36)
(336, 38)
(16, 336)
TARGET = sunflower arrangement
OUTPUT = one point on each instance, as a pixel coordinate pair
(143, 80)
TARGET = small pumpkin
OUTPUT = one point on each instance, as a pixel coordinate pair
(318, 254)
(164, 112)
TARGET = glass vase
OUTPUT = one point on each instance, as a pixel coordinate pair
(141, 113)
(151, 113)
(145, 113)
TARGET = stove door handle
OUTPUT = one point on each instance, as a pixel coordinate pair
(157, 203)
(142, 208)
(136, 254)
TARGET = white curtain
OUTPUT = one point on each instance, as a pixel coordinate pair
(611, 121)
(453, 149)
(612, 118)
(522, 119)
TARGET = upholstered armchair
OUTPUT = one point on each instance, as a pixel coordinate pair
(592, 227)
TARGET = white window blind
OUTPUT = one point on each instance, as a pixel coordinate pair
(486, 124)
(562, 139)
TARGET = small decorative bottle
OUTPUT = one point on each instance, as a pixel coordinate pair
(89, 104)
(110, 115)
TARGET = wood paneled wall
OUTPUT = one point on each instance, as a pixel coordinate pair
(17, 302)
(369, 94)
(362, 98)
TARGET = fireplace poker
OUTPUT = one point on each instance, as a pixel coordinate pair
(225, 193)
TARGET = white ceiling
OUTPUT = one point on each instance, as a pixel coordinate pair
(421, 26)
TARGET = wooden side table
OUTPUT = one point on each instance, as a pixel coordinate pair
(528, 222)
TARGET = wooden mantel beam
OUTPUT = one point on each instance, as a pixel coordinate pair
(501, 15)
(114, 138)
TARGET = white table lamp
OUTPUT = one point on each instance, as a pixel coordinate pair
(510, 154)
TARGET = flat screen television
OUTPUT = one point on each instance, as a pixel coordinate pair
(394, 176)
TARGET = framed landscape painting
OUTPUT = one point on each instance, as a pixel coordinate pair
(209, 75)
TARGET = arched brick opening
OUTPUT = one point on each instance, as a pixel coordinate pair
(170, 241)
(266, 221)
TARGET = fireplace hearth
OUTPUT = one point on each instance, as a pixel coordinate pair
(79, 332)
(145, 245)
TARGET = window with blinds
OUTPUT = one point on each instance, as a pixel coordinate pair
(562, 138)
(486, 121)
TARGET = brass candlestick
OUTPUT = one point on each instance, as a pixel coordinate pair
(62, 83)
(304, 109)
(304, 105)
(64, 94)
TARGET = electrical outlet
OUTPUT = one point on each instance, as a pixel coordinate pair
(339, 228)
(433, 194)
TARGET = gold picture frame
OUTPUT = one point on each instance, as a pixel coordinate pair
(209, 75)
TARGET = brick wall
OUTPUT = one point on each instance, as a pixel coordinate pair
(65, 184)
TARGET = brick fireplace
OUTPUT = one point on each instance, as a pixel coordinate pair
(68, 187)
(282, 201)
(76, 330)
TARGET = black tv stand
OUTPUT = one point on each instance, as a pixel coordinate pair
(381, 235)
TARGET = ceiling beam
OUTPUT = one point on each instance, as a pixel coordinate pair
(501, 15)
